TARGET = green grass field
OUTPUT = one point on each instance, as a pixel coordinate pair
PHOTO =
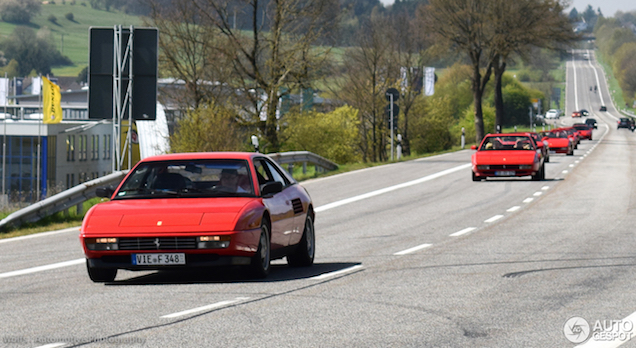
(71, 37)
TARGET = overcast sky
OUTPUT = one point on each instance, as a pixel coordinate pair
(608, 7)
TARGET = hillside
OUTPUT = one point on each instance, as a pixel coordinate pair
(71, 37)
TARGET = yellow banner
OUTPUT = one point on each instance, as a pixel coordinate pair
(52, 102)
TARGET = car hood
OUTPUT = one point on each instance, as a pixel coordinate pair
(494, 157)
(558, 142)
(122, 217)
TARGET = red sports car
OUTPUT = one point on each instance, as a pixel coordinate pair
(560, 141)
(506, 155)
(576, 114)
(196, 210)
(584, 130)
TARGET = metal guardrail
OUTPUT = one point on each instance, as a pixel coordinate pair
(61, 201)
(302, 157)
(83, 192)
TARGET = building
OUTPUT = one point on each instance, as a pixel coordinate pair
(39, 160)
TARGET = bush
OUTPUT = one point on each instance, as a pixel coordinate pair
(332, 135)
(52, 19)
(70, 17)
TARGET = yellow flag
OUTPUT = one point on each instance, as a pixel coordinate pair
(52, 102)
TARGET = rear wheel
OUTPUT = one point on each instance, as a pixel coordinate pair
(101, 275)
(303, 256)
(261, 260)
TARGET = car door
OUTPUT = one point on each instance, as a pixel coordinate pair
(279, 205)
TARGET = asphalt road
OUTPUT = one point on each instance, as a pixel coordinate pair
(413, 254)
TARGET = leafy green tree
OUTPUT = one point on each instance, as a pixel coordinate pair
(19, 11)
(33, 51)
(433, 130)
(208, 128)
(333, 135)
(11, 69)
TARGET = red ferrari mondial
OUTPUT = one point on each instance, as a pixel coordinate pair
(196, 210)
(502, 155)
(560, 141)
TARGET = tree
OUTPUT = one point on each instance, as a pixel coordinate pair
(333, 135)
(33, 51)
(210, 127)
(189, 53)
(19, 11)
(275, 56)
(519, 26)
(370, 71)
(464, 25)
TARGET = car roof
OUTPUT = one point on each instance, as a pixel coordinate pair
(202, 155)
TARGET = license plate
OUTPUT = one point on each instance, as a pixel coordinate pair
(158, 259)
(505, 173)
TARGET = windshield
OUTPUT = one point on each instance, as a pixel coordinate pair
(508, 142)
(557, 134)
(199, 178)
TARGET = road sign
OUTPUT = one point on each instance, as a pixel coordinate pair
(392, 92)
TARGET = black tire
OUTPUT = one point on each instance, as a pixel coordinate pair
(542, 172)
(101, 275)
(476, 178)
(261, 260)
(547, 158)
(571, 152)
(303, 256)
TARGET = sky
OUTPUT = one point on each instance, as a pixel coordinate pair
(608, 7)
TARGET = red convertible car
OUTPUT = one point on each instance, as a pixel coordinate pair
(508, 155)
(584, 130)
(560, 141)
(197, 210)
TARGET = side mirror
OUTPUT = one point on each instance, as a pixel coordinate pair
(104, 192)
(271, 188)
(473, 147)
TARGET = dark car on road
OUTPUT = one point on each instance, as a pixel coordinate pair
(603, 108)
(592, 123)
(625, 122)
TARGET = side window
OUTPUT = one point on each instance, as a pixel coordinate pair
(276, 175)
(267, 172)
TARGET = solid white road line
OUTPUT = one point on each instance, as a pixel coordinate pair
(390, 188)
(337, 273)
(37, 235)
(53, 345)
(464, 231)
(205, 308)
(42, 268)
(494, 218)
(412, 250)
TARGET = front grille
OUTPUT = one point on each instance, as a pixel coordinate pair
(158, 243)
(504, 166)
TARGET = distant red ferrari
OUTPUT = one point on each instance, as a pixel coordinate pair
(197, 210)
(508, 155)
(560, 141)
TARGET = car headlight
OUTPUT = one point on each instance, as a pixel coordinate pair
(483, 167)
(213, 242)
(101, 243)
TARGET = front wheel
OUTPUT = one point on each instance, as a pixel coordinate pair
(475, 177)
(303, 256)
(261, 260)
(101, 275)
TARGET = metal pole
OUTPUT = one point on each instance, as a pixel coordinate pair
(4, 137)
(391, 122)
(130, 99)
(37, 175)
